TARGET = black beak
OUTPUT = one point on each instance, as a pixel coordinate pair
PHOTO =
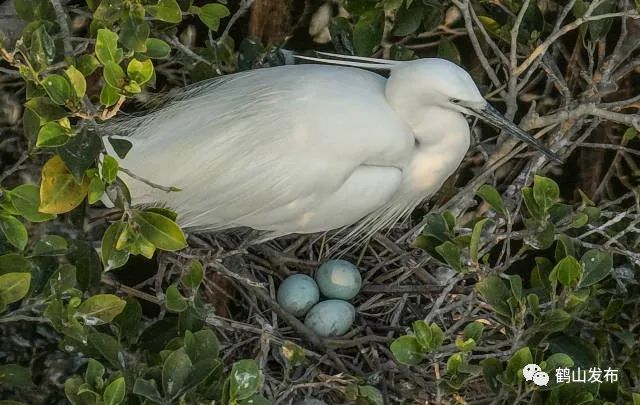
(492, 116)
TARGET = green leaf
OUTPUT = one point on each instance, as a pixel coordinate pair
(50, 245)
(109, 95)
(113, 258)
(596, 266)
(168, 11)
(371, 395)
(161, 231)
(631, 133)
(202, 344)
(567, 272)
(59, 192)
(45, 109)
(128, 321)
(140, 71)
(147, 389)
(545, 192)
(58, 88)
(77, 80)
(107, 47)
(193, 276)
(451, 254)
(473, 331)
(114, 75)
(433, 14)
(42, 49)
(495, 29)
(100, 309)
(109, 348)
(84, 256)
(492, 197)
(210, 14)
(13, 375)
(491, 369)
(407, 350)
(448, 50)
(52, 135)
(555, 320)
(454, 363)
(81, 152)
(244, 379)
(367, 32)
(422, 333)
(134, 33)
(437, 336)
(114, 393)
(474, 245)
(517, 362)
(94, 374)
(175, 301)
(26, 200)
(407, 20)
(96, 190)
(157, 48)
(110, 168)
(14, 231)
(120, 146)
(87, 64)
(14, 287)
(14, 263)
(558, 360)
(494, 292)
(175, 370)
(465, 345)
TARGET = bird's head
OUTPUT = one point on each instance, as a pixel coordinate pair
(440, 82)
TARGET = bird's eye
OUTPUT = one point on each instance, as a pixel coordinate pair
(454, 100)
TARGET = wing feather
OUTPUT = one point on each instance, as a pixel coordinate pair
(263, 144)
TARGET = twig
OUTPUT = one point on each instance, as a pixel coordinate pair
(61, 18)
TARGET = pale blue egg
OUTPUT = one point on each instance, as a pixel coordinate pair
(331, 318)
(338, 279)
(298, 293)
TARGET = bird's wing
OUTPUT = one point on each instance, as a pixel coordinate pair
(252, 143)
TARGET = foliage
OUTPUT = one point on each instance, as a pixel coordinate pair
(543, 312)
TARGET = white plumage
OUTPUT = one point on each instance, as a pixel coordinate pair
(303, 148)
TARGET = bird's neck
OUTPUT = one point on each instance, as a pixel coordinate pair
(442, 137)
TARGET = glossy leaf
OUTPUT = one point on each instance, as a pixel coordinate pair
(52, 135)
(161, 231)
(14, 286)
(100, 309)
(59, 192)
(492, 197)
(168, 11)
(58, 88)
(77, 80)
(107, 47)
(157, 48)
(192, 277)
(175, 371)
(210, 14)
(175, 301)
(596, 266)
(140, 71)
(14, 375)
(407, 350)
(115, 392)
(14, 231)
(244, 379)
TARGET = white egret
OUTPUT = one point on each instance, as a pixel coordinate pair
(307, 148)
